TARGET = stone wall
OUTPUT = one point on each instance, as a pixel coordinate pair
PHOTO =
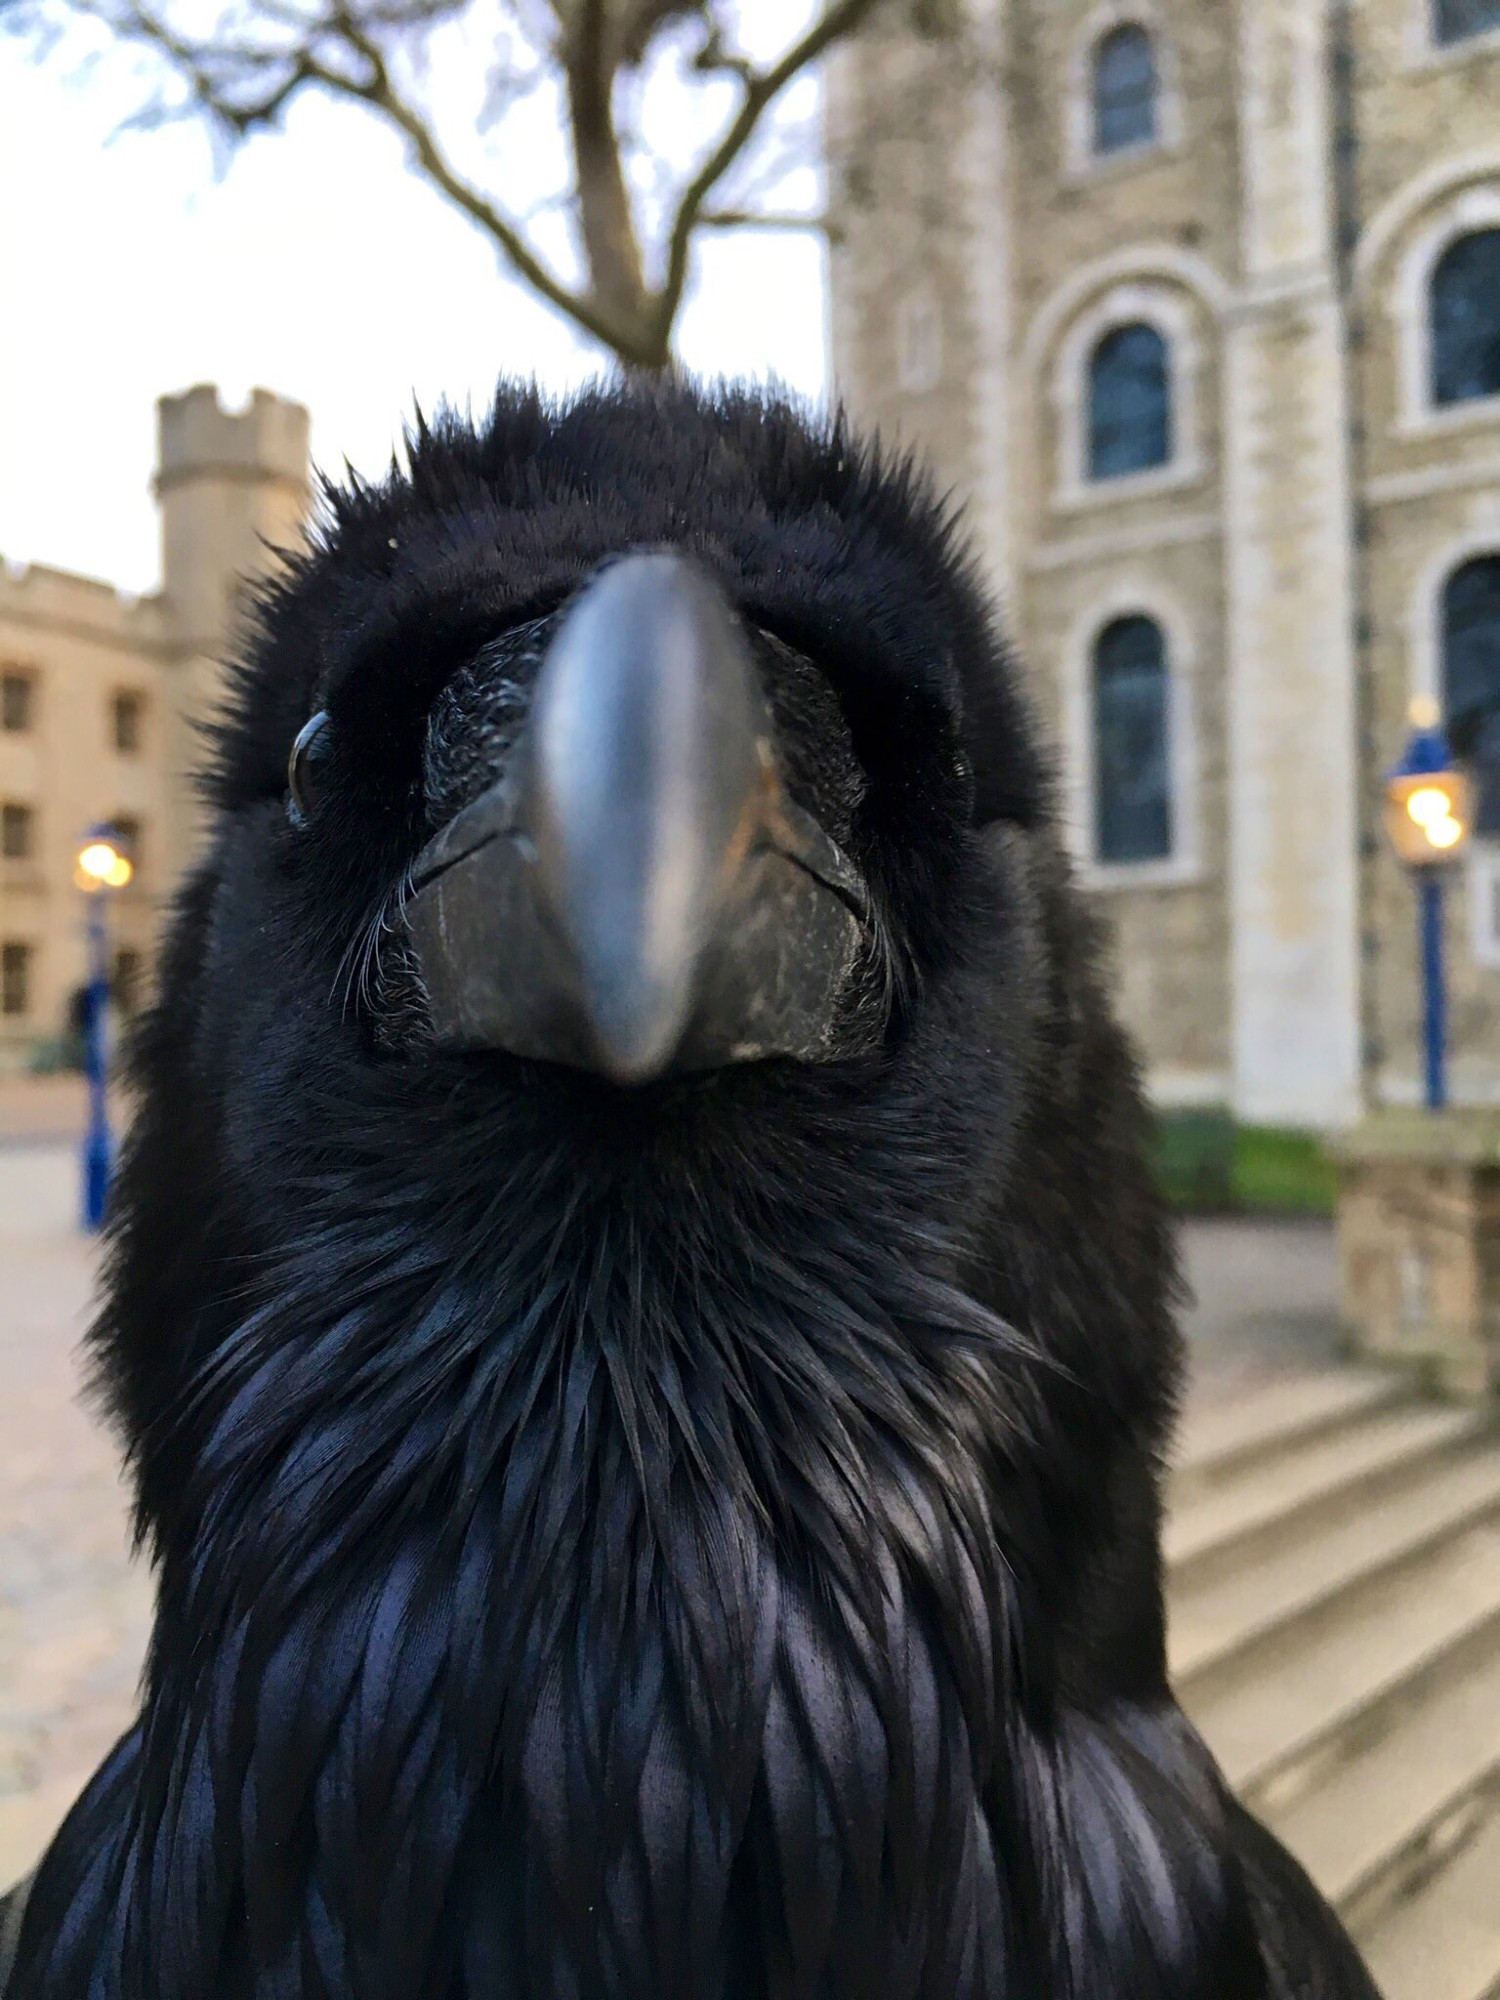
(1419, 1242)
(80, 644)
(1295, 550)
(227, 479)
(1429, 168)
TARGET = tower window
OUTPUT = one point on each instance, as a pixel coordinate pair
(126, 983)
(127, 712)
(1466, 320)
(1132, 763)
(1125, 90)
(1130, 403)
(1471, 680)
(15, 978)
(16, 701)
(127, 832)
(17, 832)
(1460, 20)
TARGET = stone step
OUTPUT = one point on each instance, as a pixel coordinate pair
(1240, 1515)
(1443, 1942)
(1284, 1713)
(1249, 1602)
(1368, 1833)
(1224, 1436)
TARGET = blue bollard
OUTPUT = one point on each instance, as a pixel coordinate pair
(1434, 988)
(97, 1147)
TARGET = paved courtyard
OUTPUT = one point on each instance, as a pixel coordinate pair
(74, 1609)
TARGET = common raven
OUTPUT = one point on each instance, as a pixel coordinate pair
(643, 1329)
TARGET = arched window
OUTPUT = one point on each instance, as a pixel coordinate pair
(1125, 90)
(1471, 679)
(1130, 403)
(1132, 783)
(1466, 319)
(1457, 20)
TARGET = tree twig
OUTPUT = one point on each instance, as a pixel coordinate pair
(840, 18)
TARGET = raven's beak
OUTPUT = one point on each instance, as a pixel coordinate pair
(637, 895)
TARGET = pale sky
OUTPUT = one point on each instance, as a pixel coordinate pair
(316, 266)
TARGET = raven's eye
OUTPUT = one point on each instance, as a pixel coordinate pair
(303, 768)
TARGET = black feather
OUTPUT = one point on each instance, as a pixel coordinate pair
(693, 1543)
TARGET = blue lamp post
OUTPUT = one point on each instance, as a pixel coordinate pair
(1427, 820)
(102, 866)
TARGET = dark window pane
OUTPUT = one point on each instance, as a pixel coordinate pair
(1471, 679)
(127, 832)
(127, 979)
(1456, 20)
(17, 831)
(127, 723)
(1130, 403)
(1466, 320)
(15, 979)
(15, 702)
(1132, 782)
(1124, 90)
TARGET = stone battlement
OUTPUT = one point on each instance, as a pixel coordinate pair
(198, 436)
(37, 594)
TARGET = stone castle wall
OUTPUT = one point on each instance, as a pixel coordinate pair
(228, 482)
(1287, 549)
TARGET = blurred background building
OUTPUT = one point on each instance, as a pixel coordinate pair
(96, 695)
(1200, 302)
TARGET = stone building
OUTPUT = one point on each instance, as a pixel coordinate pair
(97, 696)
(1197, 304)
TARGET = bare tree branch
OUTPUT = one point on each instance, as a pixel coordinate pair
(758, 218)
(841, 18)
(241, 76)
(605, 219)
(582, 307)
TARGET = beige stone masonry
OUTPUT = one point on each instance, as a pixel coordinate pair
(229, 484)
(1419, 1240)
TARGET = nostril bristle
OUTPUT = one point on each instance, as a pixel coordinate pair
(477, 718)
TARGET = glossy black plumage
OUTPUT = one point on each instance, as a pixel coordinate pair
(691, 1542)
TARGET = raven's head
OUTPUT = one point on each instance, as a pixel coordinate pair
(650, 738)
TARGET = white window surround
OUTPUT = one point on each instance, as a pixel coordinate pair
(1484, 903)
(1171, 313)
(1080, 161)
(1132, 597)
(1425, 51)
(1409, 304)
(1149, 262)
(1425, 191)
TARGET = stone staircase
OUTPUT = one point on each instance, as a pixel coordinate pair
(1334, 1581)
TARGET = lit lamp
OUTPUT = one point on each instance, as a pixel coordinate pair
(1427, 822)
(102, 865)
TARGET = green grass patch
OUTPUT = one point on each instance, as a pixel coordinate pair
(1208, 1164)
(1286, 1172)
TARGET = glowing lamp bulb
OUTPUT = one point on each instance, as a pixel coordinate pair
(1445, 832)
(1429, 806)
(101, 865)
